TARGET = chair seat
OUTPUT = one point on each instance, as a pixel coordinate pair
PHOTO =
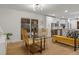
(37, 40)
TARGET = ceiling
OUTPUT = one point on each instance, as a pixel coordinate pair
(48, 9)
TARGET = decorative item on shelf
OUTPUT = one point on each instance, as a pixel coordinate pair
(8, 35)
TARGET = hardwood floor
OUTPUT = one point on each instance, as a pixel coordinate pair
(16, 49)
(51, 49)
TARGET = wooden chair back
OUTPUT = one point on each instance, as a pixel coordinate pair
(24, 34)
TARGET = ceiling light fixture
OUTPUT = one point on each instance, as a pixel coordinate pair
(37, 7)
(66, 11)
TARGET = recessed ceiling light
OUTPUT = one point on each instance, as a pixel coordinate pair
(66, 11)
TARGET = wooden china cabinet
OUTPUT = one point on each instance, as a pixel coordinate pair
(31, 25)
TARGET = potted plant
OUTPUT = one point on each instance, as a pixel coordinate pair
(8, 35)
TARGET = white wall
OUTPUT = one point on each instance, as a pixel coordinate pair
(48, 25)
(10, 21)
